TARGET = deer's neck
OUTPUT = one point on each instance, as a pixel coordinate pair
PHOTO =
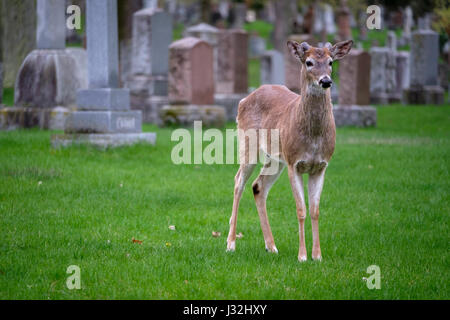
(314, 112)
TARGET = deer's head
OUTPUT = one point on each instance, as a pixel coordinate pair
(318, 62)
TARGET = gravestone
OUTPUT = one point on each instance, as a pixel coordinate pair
(292, 65)
(272, 68)
(399, 67)
(148, 79)
(191, 85)
(49, 77)
(402, 72)
(354, 91)
(257, 46)
(362, 19)
(424, 55)
(240, 15)
(330, 25)
(324, 19)
(103, 116)
(382, 75)
(407, 25)
(232, 72)
(209, 34)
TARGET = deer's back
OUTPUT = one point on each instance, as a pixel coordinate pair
(264, 107)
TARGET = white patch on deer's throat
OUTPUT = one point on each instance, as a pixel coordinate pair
(315, 89)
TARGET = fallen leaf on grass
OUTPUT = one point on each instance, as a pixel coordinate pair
(39, 183)
(168, 244)
(216, 234)
(172, 228)
(239, 235)
(136, 241)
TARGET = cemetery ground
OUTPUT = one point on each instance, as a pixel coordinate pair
(385, 202)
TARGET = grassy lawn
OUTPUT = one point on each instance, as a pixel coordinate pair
(385, 202)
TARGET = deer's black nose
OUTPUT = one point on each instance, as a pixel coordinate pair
(326, 82)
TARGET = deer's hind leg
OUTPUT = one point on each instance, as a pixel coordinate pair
(261, 188)
(242, 176)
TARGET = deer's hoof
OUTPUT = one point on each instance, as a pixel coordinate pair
(271, 249)
(317, 258)
(302, 258)
(231, 246)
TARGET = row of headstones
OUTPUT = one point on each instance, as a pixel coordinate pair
(395, 76)
(53, 76)
(169, 81)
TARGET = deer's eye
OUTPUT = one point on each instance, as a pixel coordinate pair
(309, 64)
(331, 63)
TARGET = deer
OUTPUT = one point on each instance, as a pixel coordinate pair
(307, 137)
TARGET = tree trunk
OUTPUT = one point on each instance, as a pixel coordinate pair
(18, 18)
(286, 13)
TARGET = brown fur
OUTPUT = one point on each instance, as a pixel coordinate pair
(307, 140)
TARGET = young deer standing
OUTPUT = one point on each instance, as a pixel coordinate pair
(307, 137)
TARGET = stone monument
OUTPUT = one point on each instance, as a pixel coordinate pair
(148, 80)
(48, 80)
(103, 116)
(354, 91)
(424, 87)
(272, 68)
(382, 75)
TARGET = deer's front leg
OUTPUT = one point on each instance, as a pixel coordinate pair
(315, 185)
(297, 188)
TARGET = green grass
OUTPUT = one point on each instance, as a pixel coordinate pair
(385, 202)
(262, 29)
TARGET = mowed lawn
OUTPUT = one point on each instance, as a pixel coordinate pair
(385, 202)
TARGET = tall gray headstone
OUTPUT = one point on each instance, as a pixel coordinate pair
(382, 75)
(424, 86)
(424, 57)
(103, 116)
(391, 41)
(240, 15)
(148, 82)
(272, 68)
(407, 23)
(51, 19)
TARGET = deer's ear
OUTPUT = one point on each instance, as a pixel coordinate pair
(298, 50)
(341, 49)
